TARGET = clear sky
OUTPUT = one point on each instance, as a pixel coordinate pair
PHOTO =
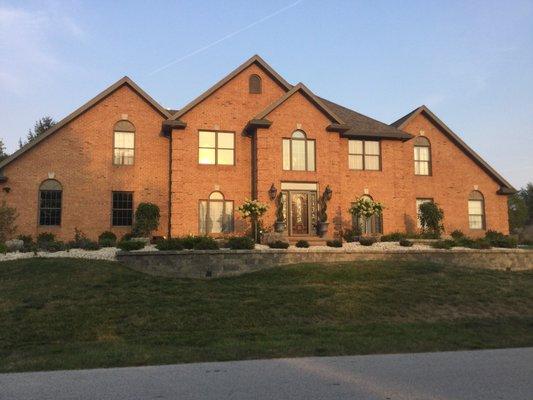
(470, 62)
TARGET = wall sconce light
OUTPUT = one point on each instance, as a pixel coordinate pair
(7, 189)
(272, 192)
(328, 193)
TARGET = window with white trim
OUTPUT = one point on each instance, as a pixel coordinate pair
(422, 154)
(364, 155)
(476, 210)
(216, 214)
(124, 143)
(216, 148)
(299, 152)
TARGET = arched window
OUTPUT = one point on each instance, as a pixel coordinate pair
(371, 225)
(50, 194)
(124, 143)
(422, 156)
(476, 210)
(254, 84)
(216, 214)
(298, 152)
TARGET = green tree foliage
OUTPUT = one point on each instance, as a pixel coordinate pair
(8, 215)
(146, 219)
(431, 216)
(41, 126)
(3, 153)
(518, 212)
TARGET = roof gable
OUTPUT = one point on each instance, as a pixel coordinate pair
(95, 100)
(506, 188)
(253, 60)
(301, 88)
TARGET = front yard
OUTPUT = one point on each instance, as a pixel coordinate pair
(72, 313)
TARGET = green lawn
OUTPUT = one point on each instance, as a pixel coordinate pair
(66, 313)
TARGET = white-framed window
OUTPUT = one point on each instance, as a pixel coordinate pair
(422, 154)
(216, 148)
(123, 143)
(419, 202)
(299, 153)
(476, 210)
(216, 214)
(364, 155)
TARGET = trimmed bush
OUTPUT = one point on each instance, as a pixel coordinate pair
(507, 242)
(27, 239)
(279, 244)
(350, 235)
(3, 248)
(129, 245)
(107, 239)
(189, 241)
(241, 243)
(429, 235)
(393, 237)
(481, 244)
(170, 244)
(457, 234)
(303, 244)
(406, 243)
(367, 240)
(464, 241)
(45, 237)
(146, 219)
(127, 236)
(334, 243)
(205, 243)
(443, 244)
(52, 246)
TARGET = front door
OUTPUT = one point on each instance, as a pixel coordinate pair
(299, 222)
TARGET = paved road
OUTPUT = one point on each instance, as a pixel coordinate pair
(490, 374)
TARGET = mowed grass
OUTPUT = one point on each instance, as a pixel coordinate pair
(67, 313)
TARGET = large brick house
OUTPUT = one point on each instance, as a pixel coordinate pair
(251, 135)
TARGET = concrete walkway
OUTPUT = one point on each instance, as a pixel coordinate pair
(490, 374)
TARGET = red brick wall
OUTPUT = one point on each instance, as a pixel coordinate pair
(80, 156)
(228, 109)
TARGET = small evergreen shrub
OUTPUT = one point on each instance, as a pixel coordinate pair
(52, 246)
(481, 244)
(107, 239)
(443, 244)
(349, 235)
(428, 235)
(27, 239)
(45, 237)
(170, 244)
(334, 243)
(205, 243)
(241, 243)
(189, 241)
(464, 241)
(146, 219)
(279, 244)
(406, 243)
(457, 234)
(367, 240)
(431, 216)
(129, 245)
(303, 244)
(3, 248)
(127, 236)
(507, 242)
(393, 237)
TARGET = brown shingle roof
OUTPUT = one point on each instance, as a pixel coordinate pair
(363, 126)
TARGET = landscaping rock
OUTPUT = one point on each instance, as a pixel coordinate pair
(14, 244)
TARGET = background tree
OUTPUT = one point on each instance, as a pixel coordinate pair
(518, 212)
(3, 153)
(40, 127)
(527, 195)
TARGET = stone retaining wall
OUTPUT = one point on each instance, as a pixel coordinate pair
(217, 263)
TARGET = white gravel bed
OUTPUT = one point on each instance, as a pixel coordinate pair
(105, 253)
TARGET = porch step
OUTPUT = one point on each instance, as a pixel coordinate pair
(313, 240)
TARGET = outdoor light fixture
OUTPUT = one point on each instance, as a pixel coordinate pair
(272, 192)
(327, 193)
(7, 189)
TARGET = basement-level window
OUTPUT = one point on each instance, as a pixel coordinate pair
(50, 196)
(216, 214)
(364, 154)
(122, 211)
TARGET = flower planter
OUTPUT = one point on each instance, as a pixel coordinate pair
(279, 226)
(322, 228)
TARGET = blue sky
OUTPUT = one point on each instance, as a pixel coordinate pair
(470, 62)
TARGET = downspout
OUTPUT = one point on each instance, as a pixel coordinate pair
(169, 222)
(253, 134)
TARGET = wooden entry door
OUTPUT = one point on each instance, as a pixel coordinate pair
(302, 212)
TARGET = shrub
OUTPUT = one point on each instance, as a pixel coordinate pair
(481, 243)
(279, 244)
(82, 242)
(406, 243)
(367, 240)
(457, 234)
(170, 244)
(334, 243)
(498, 239)
(127, 236)
(3, 248)
(146, 219)
(491, 235)
(431, 216)
(443, 244)
(27, 239)
(464, 241)
(350, 235)
(205, 243)
(52, 246)
(189, 241)
(428, 235)
(129, 245)
(107, 239)
(241, 243)
(393, 237)
(8, 215)
(303, 244)
(45, 237)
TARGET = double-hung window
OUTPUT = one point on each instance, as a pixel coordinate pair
(122, 210)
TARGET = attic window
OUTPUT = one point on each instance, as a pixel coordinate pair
(254, 84)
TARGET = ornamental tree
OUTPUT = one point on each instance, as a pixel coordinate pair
(365, 207)
(254, 210)
(431, 216)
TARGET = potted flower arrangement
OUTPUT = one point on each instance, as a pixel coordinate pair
(365, 207)
(254, 210)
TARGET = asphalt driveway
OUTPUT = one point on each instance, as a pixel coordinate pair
(490, 374)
